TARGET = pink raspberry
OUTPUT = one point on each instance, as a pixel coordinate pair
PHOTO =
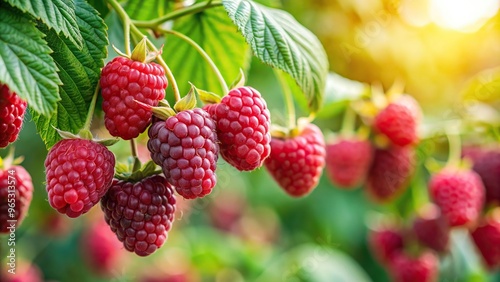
(12, 110)
(185, 146)
(423, 268)
(79, 172)
(487, 239)
(431, 229)
(123, 81)
(385, 243)
(140, 213)
(16, 188)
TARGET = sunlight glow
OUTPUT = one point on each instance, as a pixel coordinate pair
(462, 15)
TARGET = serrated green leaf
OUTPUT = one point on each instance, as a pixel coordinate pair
(79, 71)
(215, 33)
(56, 14)
(25, 64)
(279, 40)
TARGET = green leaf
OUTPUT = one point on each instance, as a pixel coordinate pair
(25, 64)
(147, 10)
(215, 33)
(483, 87)
(56, 14)
(79, 71)
(279, 40)
(338, 92)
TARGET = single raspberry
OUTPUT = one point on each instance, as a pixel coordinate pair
(399, 121)
(423, 268)
(12, 110)
(431, 229)
(348, 161)
(185, 146)
(487, 239)
(385, 243)
(79, 172)
(210, 109)
(101, 249)
(459, 194)
(123, 81)
(296, 163)
(16, 190)
(487, 166)
(140, 213)
(390, 172)
(243, 122)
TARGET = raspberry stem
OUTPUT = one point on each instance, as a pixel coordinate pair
(455, 147)
(348, 122)
(90, 113)
(204, 54)
(287, 96)
(133, 148)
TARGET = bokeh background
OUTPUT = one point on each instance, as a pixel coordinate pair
(444, 52)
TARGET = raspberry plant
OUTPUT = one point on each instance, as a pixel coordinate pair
(169, 78)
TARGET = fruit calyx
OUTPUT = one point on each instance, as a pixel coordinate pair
(135, 171)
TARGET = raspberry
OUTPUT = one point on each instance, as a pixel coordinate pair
(25, 272)
(385, 243)
(390, 172)
(12, 110)
(243, 122)
(459, 194)
(123, 81)
(185, 146)
(101, 248)
(399, 121)
(487, 166)
(423, 268)
(296, 163)
(348, 161)
(15, 185)
(487, 239)
(140, 213)
(432, 229)
(79, 172)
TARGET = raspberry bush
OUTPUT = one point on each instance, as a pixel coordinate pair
(220, 126)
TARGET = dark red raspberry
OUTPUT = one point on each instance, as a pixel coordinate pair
(385, 243)
(243, 122)
(16, 190)
(459, 194)
(348, 161)
(123, 81)
(390, 173)
(423, 268)
(101, 248)
(431, 229)
(399, 121)
(12, 110)
(140, 213)
(296, 163)
(185, 146)
(487, 166)
(487, 239)
(79, 172)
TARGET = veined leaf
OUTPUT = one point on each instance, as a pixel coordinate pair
(56, 14)
(215, 33)
(279, 40)
(146, 10)
(25, 64)
(79, 71)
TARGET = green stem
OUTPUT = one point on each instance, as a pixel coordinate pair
(455, 149)
(193, 9)
(348, 122)
(133, 147)
(202, 52)
(90, 113)
(125, 21)
(287, 96)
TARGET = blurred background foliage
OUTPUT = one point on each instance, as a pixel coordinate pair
(444, 52)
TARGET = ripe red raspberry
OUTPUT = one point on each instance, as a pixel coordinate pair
(123, 81)
(296, 163)
(185, 146)
(101, 248)
(12, 110)
(431, 229)
(348, 161)
(385, 243)
(140, 213)
(487, 239)
(16, 190)
(459, 194)
(399, 121)
(79, 172)
(243, 122)
(487, 166)
(390, 172)
(423, 268)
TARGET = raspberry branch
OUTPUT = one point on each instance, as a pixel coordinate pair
(455, 147)
(287, 96)
(348, 122)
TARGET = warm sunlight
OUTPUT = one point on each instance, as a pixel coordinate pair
(462, 15)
